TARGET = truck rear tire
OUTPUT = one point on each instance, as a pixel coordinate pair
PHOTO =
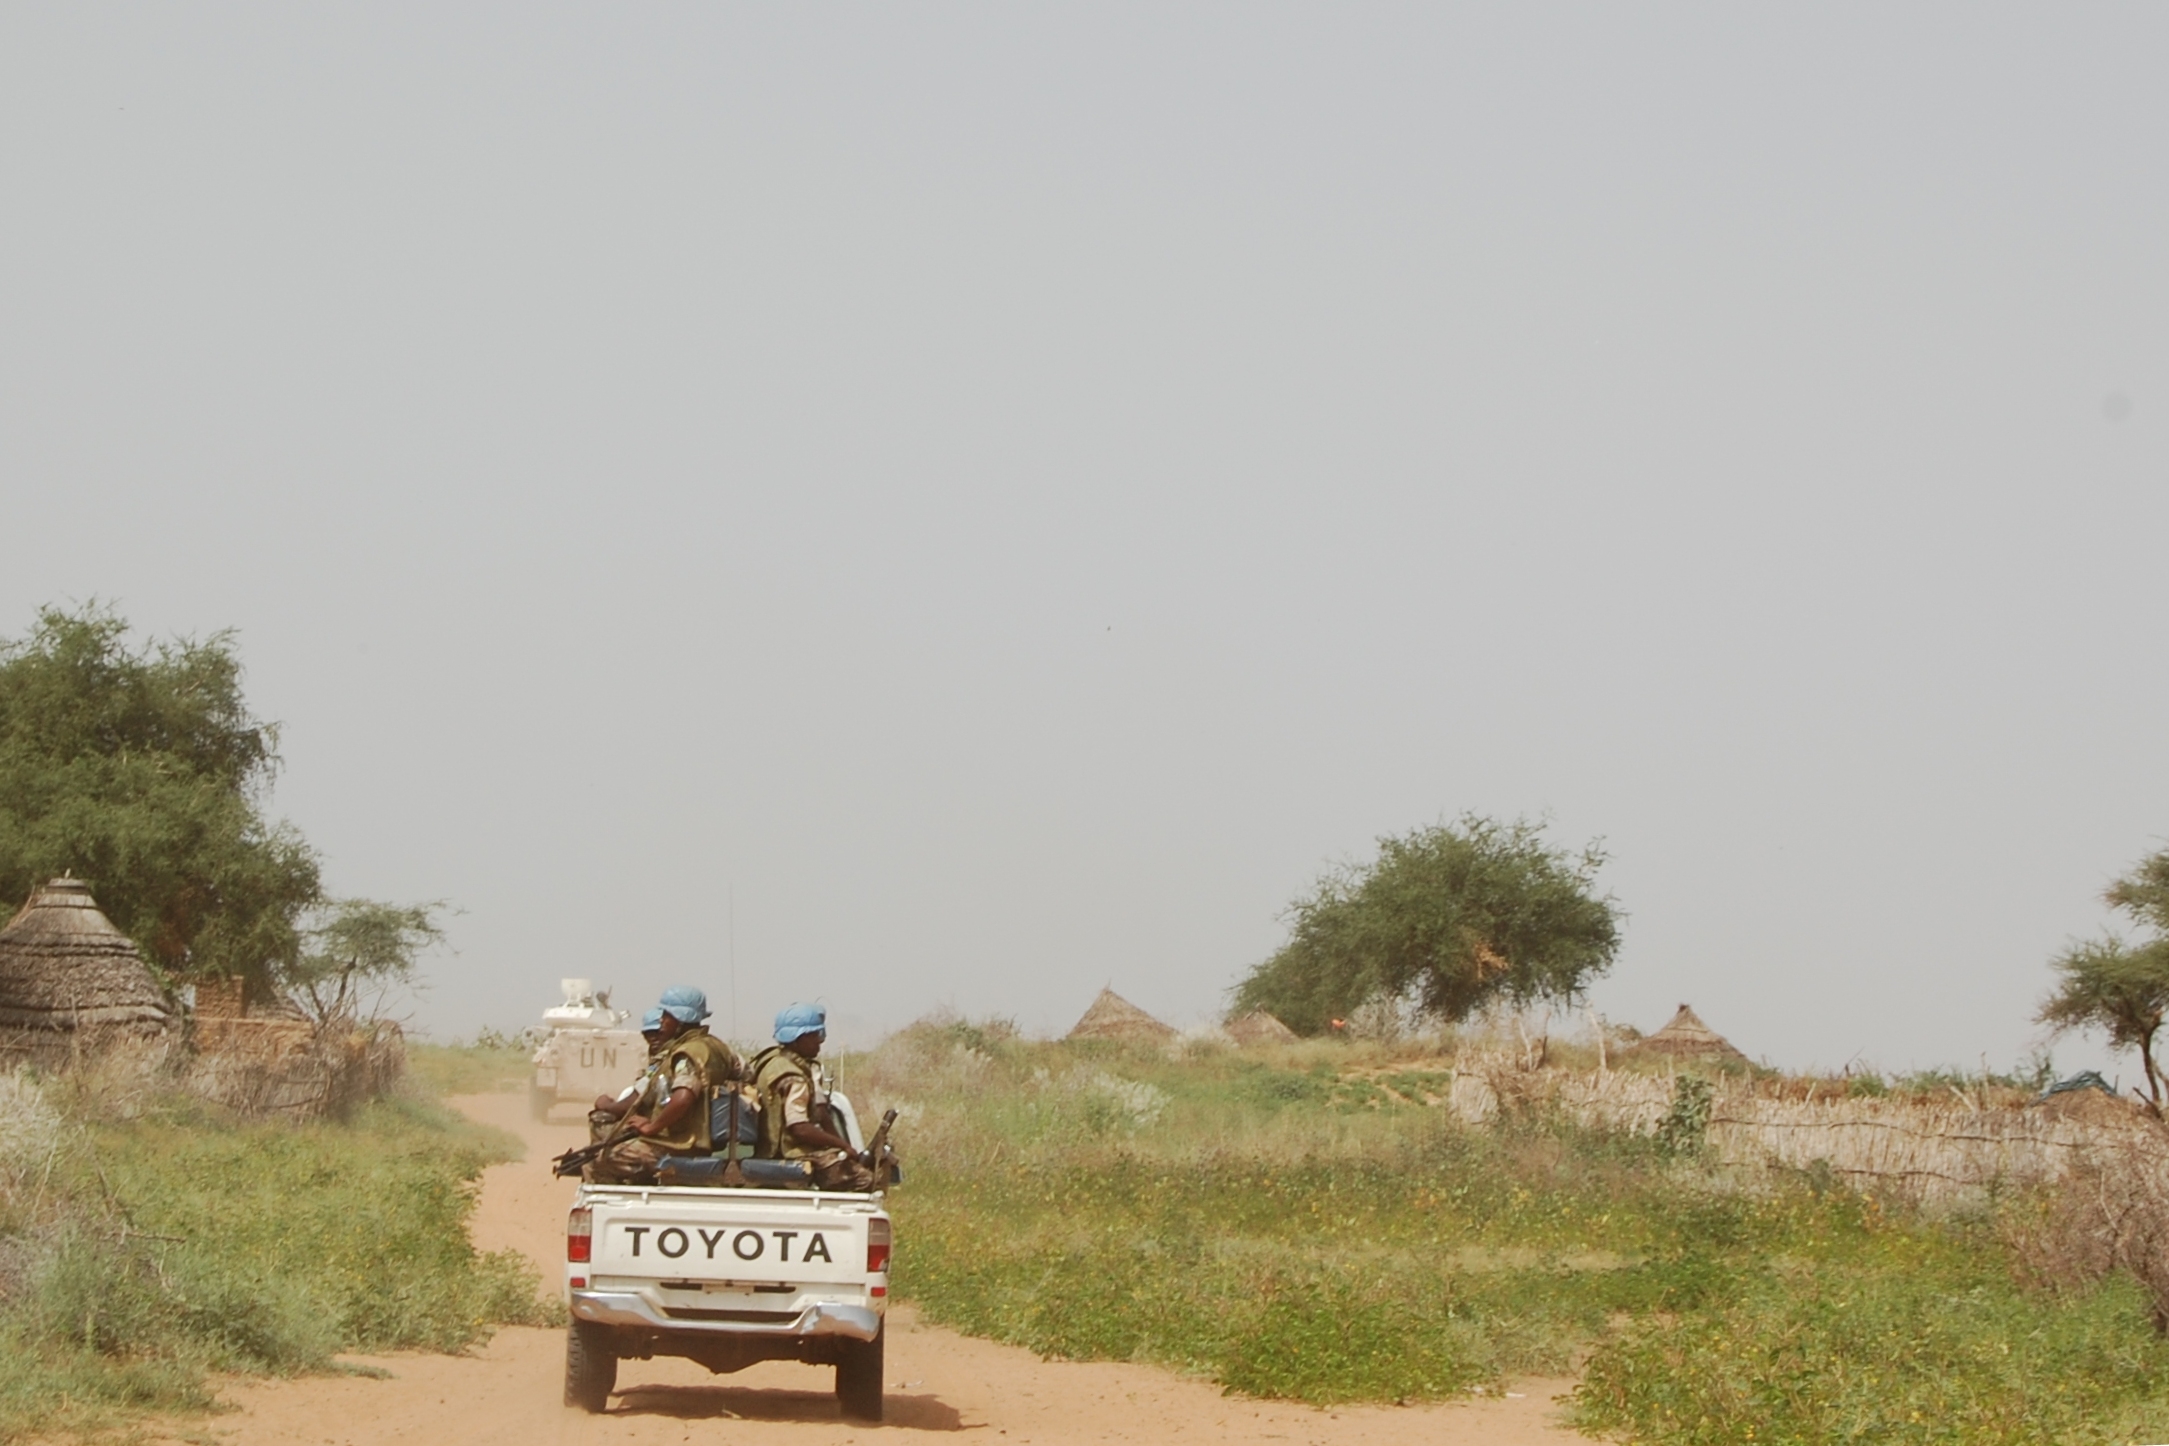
(591, 1366)
(858, 1377)
(539, 1100)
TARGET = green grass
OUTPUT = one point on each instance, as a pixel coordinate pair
(1324, 1281)
(355, 1231)
(1917, 1337)
(157, 1249)
(443, 1070)
(1280, 1224)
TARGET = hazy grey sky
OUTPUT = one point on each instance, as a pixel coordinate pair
(1011, 493)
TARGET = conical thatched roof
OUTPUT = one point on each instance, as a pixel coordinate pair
(1688, 1035)
(63, 966)
(1259, 1027)
(1113, 1017)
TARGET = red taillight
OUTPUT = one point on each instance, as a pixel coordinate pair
(877, 1246)
(578, 1227)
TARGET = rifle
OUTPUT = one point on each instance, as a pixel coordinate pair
(875, 1156)
(572, 1162)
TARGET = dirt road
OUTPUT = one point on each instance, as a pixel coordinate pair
(508, 1392)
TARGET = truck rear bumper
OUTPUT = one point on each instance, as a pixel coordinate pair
(628, 1308)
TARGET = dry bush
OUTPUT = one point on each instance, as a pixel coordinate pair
(1384, 1020)
(929, 1073)
(119, 1077)
(30, 1127)
(297, 1071)
(1491, 1082)
(2109, 1212)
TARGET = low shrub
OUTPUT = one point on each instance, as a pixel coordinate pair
(2108, 1216)
(367, 1219)
(1920, 1337)
(143, 1247)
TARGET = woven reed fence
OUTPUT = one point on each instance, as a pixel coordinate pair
(1933, 1151)
(286, 1068)
(300, 1074)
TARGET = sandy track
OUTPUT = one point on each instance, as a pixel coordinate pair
(938, 1381)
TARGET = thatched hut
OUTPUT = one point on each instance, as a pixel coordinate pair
(1260, 1027)
(1687, 1037)
(66, 972)
(1113, 1017)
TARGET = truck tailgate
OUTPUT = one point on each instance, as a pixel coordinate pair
(760, 1237)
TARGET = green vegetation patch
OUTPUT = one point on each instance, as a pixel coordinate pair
(145, 1253)
(1326, 1281)
(358, 1230)
(1907, 1334)
(1239, 1216)
(444, 1070)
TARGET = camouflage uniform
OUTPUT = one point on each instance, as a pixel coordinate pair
(631, 1161)
(694, 1060)
(789, 1096)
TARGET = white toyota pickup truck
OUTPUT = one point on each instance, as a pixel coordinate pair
(726, 1277)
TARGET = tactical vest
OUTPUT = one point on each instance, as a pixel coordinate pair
(715, 1063)
(771, 1067)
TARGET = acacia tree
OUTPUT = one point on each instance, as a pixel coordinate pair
(357, 952)
(2120, 986)
(1450, 918)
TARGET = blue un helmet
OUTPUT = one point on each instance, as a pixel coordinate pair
(687, 1006)
(800, 1019)
(651, 1021)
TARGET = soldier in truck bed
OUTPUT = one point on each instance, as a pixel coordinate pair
(609, 1109)
(795, 1120)
(674, 1118)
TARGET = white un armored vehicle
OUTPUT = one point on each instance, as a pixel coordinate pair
(586, 1049)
